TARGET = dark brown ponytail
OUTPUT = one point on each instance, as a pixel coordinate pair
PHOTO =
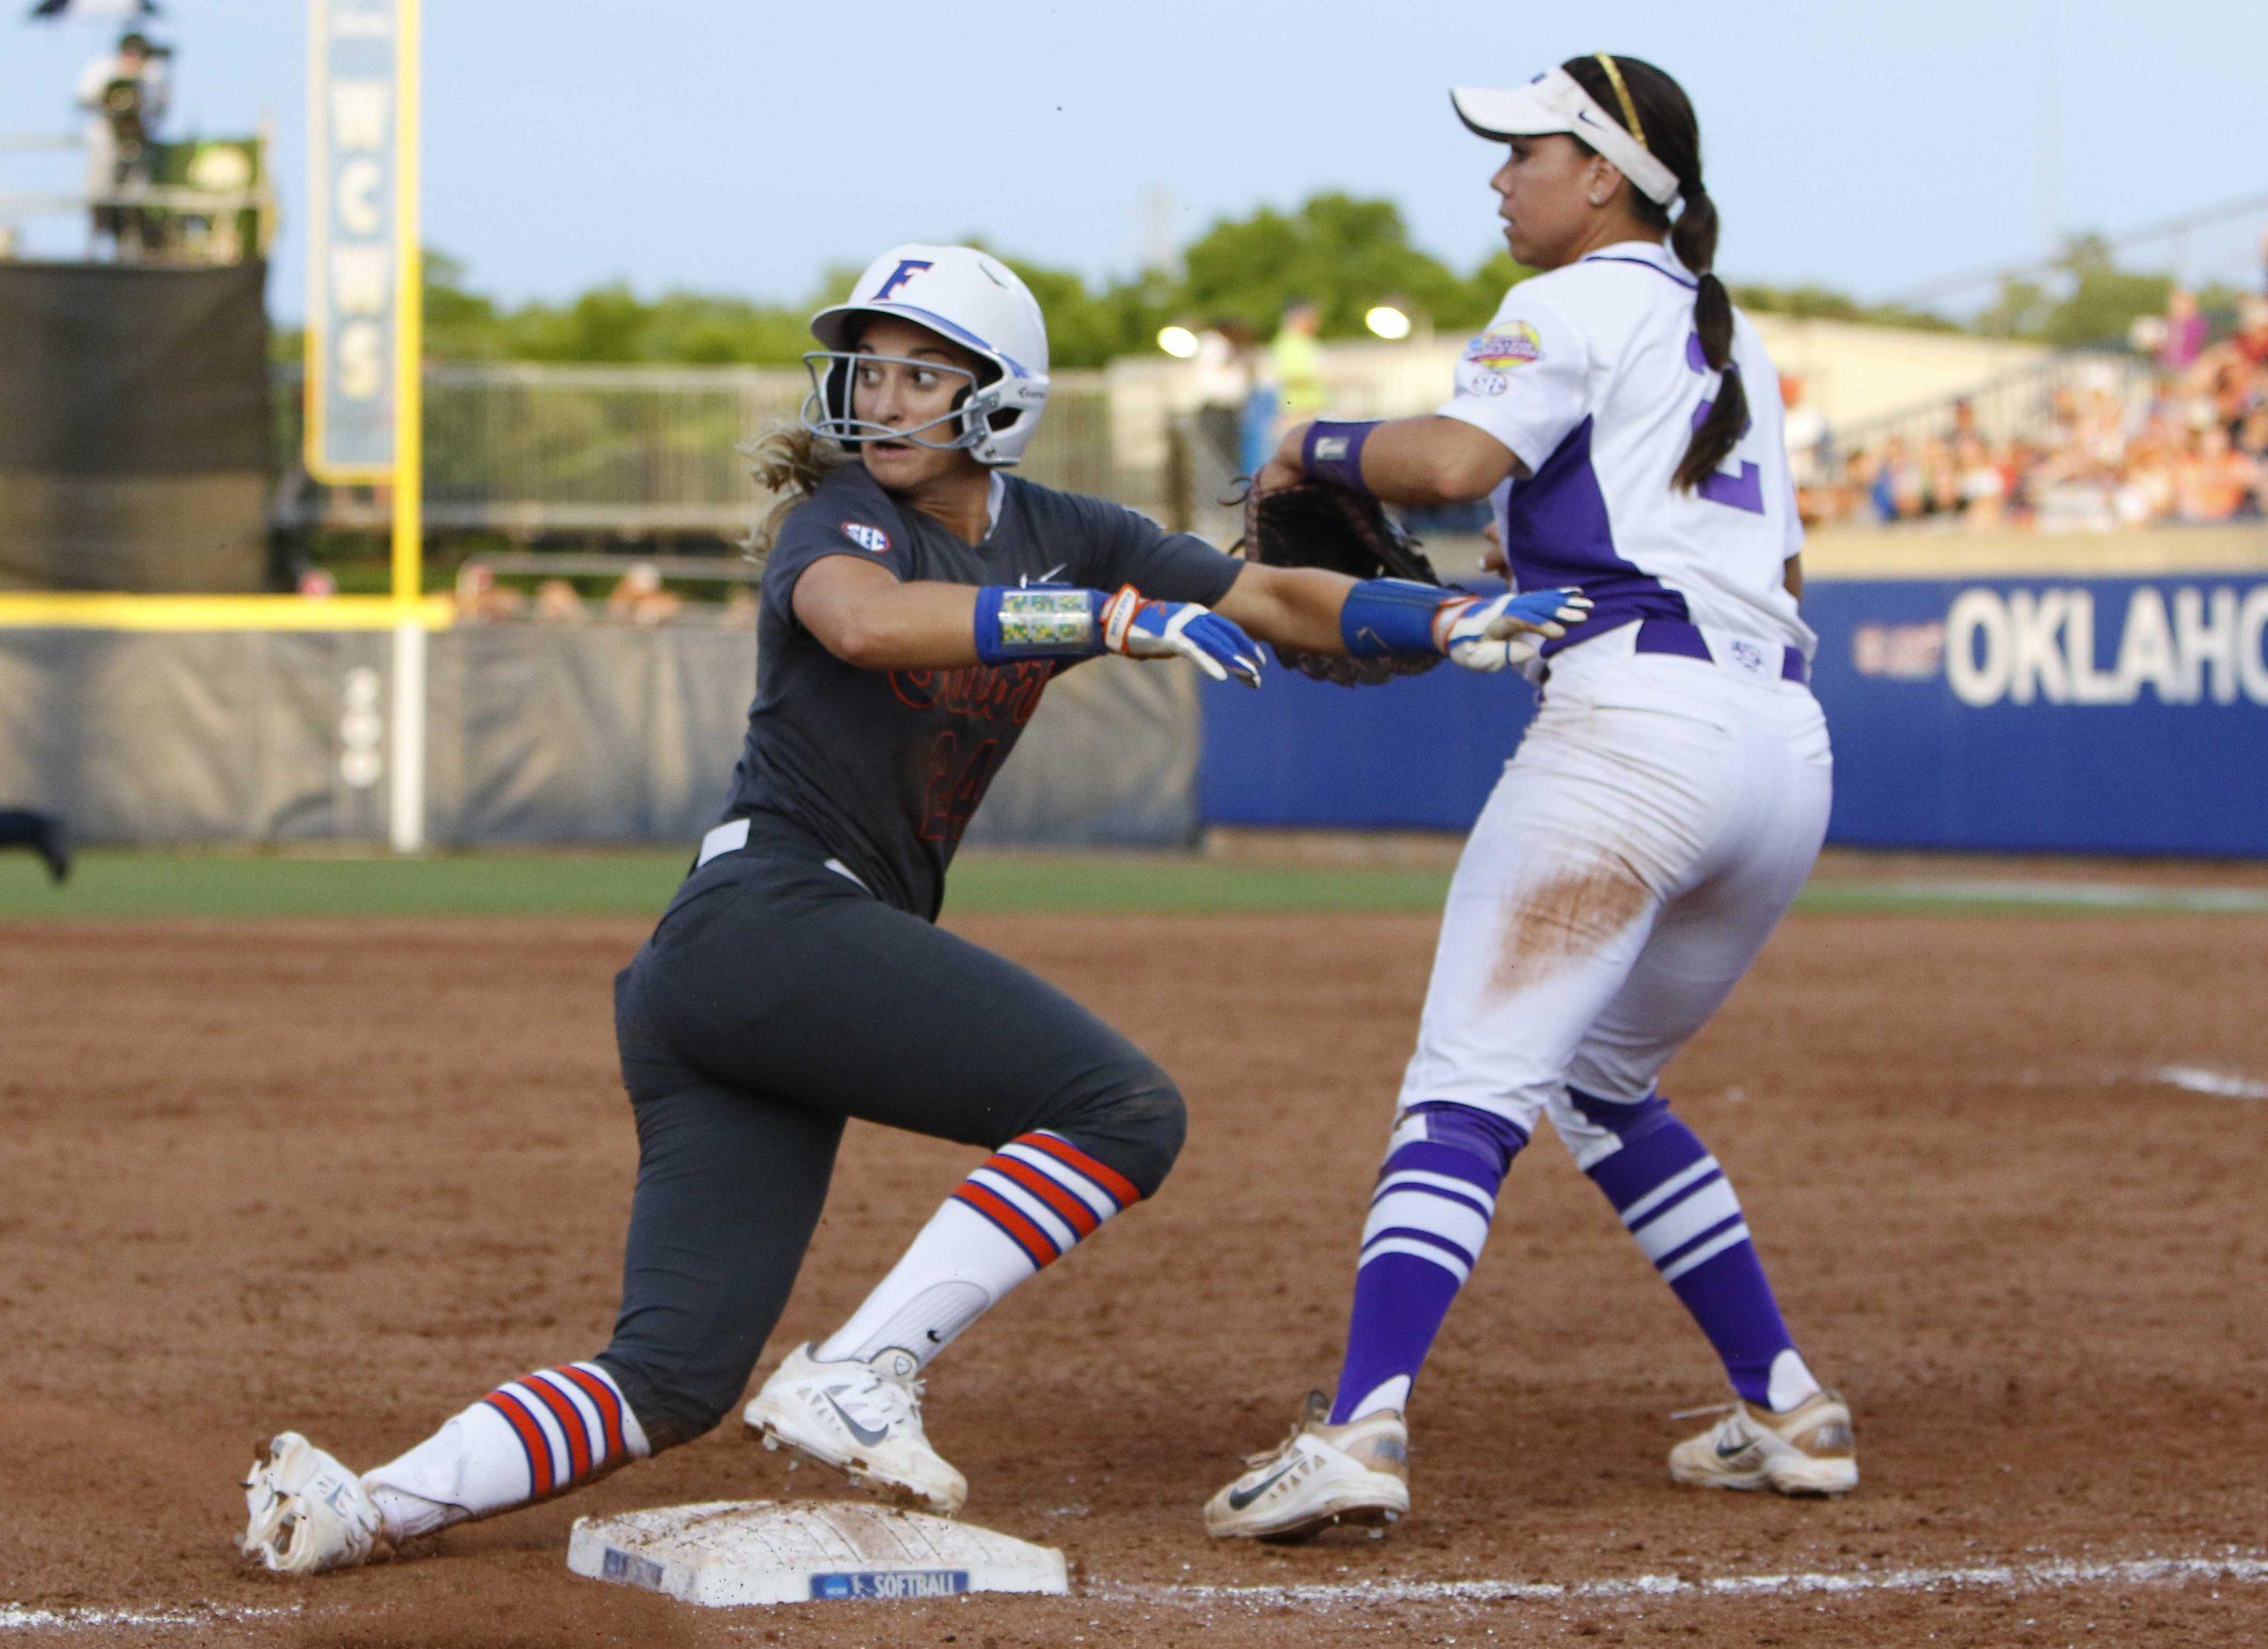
(1695, 242)
(1671, 131)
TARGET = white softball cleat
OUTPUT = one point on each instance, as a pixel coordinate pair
(309, 1515)
(862, 1419)
(1808, 1450)
(1320, 1476)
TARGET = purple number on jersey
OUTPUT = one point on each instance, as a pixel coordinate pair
(1745, 490)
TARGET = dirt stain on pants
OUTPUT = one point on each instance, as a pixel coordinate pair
(1574, 913)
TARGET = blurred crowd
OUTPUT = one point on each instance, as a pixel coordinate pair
(639, 596)
(2186, 443)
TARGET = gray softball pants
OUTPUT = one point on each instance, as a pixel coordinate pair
(776, 999)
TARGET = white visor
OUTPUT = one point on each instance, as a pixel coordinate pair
(1554, 101)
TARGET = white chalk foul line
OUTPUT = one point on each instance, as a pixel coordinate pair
(16, 1617)
(2196, 1079)
(2085, 895)
(2250, 1568)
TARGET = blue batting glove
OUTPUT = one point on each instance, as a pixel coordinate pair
(1496, 632)
(1141, 629)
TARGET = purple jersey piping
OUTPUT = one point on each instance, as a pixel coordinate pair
(1643, 263)
(1557, 535)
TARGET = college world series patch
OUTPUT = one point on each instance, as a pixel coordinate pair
(872, 539)
(1516, 346)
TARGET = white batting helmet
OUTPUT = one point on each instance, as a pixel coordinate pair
(966, 297)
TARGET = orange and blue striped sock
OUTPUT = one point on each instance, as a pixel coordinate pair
(1026, 1205)
(532, 1438)
(571, 1425)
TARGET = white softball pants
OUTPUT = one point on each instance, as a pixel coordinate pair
(1655, 823)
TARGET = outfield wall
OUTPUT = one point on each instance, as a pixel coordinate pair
(1985, 693)
(2083, 696)
(2118, 714)
(535, 734)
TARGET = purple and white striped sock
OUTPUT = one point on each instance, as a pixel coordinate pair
(1677, 1201)
(1436, 1194)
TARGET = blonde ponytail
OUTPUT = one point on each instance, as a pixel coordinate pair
(788, 463)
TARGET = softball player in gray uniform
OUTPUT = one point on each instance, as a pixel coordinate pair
(916, 601)
(1660, 814)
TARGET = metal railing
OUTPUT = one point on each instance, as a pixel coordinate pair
(155, 218)
(533, 451)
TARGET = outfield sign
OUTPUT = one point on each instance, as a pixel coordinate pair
(2049, 714)
(2081, 715)
(354, 120)
(2177, 642)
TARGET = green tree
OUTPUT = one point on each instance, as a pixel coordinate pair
(1085, 329)
(460, 324)
(2083, 297)
(1823, 303)
(1341, 253)
(2104, 301)
(608, 323)
(2020, 311)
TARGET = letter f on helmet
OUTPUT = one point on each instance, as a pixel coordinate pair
(966, 297)
(907, 268)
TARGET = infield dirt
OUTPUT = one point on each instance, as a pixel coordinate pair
(346, 1176)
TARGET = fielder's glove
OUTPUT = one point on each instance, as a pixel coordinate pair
(1317, 524)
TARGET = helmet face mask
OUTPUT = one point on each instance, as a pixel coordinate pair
(829, 411)
(972, 300)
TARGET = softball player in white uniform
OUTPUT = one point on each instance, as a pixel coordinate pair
(1657, 818)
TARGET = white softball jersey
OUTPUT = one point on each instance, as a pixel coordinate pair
(1668, 802)
(1593, 376)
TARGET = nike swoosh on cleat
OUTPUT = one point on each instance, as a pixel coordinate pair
(867, 1436)
(1733, 1450)
(1239, 1498)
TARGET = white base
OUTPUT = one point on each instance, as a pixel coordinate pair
(726, 1553)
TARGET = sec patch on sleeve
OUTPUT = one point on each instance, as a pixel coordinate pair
(1518, 345)
(871, 539)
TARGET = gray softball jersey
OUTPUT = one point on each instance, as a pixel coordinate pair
(885, 767)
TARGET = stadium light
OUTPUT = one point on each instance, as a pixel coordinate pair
(1387, 322)
(1177, 341)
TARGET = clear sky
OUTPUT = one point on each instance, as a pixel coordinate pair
(744, 145)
